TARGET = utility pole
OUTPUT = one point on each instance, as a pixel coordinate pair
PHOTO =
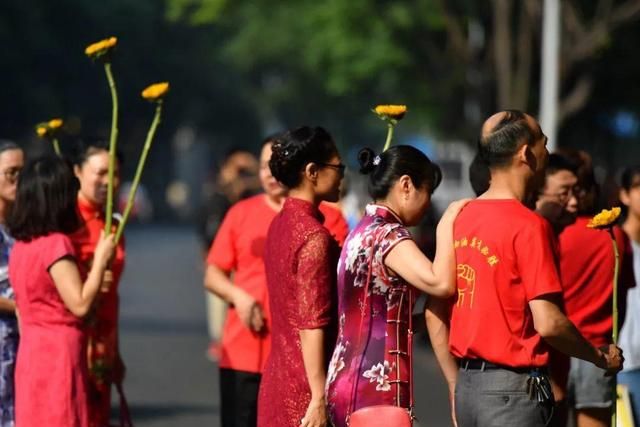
(550, 71)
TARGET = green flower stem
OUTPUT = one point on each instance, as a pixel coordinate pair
(387, 144)
(56, 147)
(141, 162)
(112, 146)
(615, 323)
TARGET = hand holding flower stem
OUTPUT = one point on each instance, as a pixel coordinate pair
(153, 93)
(606, 220)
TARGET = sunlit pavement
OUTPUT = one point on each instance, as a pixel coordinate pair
(170, 382)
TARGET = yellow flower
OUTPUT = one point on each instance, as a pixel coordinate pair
(98, 49)
(393, 112)
(41, 131)
(55, 123)
(155, 91)
(605, 219)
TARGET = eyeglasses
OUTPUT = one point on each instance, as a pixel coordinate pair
(563, 196)
(12, 174)
(339, 167)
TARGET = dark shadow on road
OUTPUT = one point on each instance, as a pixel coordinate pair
(145, 325)
(142, 412)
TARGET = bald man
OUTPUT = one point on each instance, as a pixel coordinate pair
(507, 309)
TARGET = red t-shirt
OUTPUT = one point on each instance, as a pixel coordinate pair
(504, 257)
(238, 247)
(586, 268)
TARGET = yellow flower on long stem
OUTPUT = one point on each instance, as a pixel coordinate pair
(50, 130)
(101, 48)
(391, 114)
(605, 220)
(395, 112)
(155, 91)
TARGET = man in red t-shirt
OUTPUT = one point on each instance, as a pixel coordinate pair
(586, 266)
(236, 273)
(507, 308)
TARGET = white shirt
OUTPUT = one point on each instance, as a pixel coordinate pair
(629, 340)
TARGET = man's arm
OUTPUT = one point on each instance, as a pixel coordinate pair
(437, 318)
(561, 334)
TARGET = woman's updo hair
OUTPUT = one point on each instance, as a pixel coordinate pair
(385, 169)
(293, 150)
(83, 148)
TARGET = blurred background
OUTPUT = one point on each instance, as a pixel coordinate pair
(241, 70)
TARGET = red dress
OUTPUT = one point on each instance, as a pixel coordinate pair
(51, 369)
(300, 260)
(102, 322)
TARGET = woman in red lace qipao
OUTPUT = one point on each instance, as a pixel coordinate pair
(378, 266)
(300, 259)
(91, 162)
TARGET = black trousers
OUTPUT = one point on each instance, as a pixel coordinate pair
(239, 398)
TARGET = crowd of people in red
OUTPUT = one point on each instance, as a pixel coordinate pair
(319, 329)
(520, 292)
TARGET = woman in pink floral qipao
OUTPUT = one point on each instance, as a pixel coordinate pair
(370, 364)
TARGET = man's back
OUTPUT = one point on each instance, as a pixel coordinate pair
(504, 257)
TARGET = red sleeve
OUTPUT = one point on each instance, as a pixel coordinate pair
(223, 252)
(56, 247)
(534, 251)
(334, 222)
(626, 280)
(314, 279)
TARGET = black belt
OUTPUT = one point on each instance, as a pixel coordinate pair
(480, 364)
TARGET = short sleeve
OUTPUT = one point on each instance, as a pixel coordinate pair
(223, 252)
(314, 280)
(392, 234)
(55, 247)
(536, 263)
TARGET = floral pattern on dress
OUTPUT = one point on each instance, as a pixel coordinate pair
(9, 337)
(362, 353)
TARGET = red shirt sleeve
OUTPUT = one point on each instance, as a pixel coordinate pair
(57, 246)
(533, 247)
(223, 253)
(314, 279)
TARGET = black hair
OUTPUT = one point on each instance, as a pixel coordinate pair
(385, 169)
(628, 177)
(6, 145)
(558, 162)
(270, 139)
(479, 175)
(46, 200)
(293, 150)
(83, 148)
(498, 147)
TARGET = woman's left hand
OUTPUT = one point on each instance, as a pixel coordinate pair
(316, 415)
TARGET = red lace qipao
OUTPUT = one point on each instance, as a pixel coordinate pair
(101, 324)
(300, 259)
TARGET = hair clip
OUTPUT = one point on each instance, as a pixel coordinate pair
(286, 152)
(376, 160)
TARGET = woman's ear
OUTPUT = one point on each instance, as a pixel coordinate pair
(624, 197)
(311, 172)
(406, 185)
(77, 171)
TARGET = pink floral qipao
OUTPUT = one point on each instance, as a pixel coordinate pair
(374, 354)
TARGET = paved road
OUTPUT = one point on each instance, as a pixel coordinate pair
(170, 383)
